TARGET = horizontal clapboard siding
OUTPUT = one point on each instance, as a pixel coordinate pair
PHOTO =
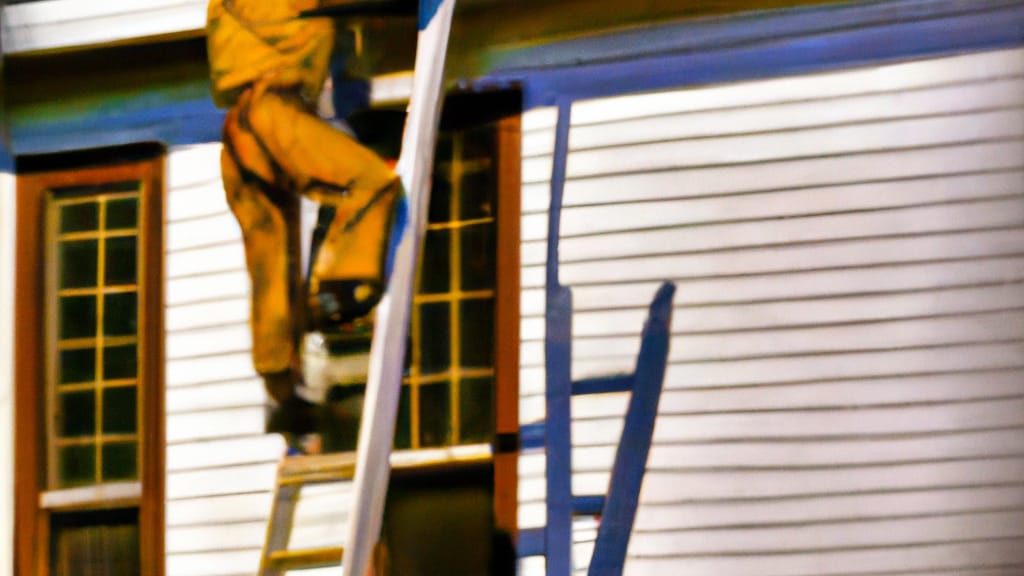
(220, 465)
(845, 392)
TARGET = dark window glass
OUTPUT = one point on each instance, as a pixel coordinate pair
(121, 261)
(440, 198)
(119, 362)
(435, 338)
(479, 143)
(434, 270)
(443, 150)
(435, 414)
(76, 465)
(95, 543)
(77, 262)
(476, 410)
(477, 197)
(403, 427)
(84, 217)
(477, 341)
(77, 366)
(119, 410)
(478, 261)
(77, 317)
(123, 213)
(120, 314)
(77, 414)
(120, 461)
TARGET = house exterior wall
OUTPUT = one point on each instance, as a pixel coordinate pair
(220, 464)
(846, 374)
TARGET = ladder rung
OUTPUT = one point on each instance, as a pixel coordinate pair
(588, 505)
(317, 468)
(285, 560)
(603, 384)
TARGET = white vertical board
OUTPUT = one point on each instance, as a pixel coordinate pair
(7, 274)
(846, 383)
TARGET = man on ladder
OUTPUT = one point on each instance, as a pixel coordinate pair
(268, 66)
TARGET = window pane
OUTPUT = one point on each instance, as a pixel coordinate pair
(119, 410)
(77, 262)
(479, 142)
(435, 330)
(77, 416)
(477, 197)
(477, 338)
(435, 414)
(476, 410)
(403, 427)
(440, 198)
(119, 362)
(120, 314)
(77, 366)
(121, 263)
(76, 465)
(95, 543)
(120, 461)
(77, 317)
(123, 213)
(82, 217)
(478, 257)
(436, 263)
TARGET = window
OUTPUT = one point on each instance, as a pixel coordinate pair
(93, 293)
(89, 363)
(448, 396)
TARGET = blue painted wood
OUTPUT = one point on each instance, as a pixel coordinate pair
(729, 31)
(588, 505)
(603, 385)
(530, 542)
(531, 436)
(427, 10)
(915, 31)
(174, 116)
(638, 429)
(558, 358)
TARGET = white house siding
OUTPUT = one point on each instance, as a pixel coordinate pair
(845, 392)
(7, 273)
(220, 465)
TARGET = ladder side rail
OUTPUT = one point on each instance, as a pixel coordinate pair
(558, 385)
(627, 476)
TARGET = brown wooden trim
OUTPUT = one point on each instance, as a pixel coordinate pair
(27, 377)
(152, 473)
(32, 533)
(506, 357)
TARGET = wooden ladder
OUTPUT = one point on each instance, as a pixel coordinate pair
(293, 474)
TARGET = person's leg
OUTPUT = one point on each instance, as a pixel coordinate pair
(264, 217)
(333, 169)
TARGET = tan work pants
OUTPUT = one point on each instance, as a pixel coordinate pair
(275, 149)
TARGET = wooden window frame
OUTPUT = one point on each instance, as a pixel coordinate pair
(33, 509)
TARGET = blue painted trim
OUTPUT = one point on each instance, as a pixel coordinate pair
(558, 391)
(180, 116)
(638, 430)
(603, 385)
(730, 31)
(588, 505)
(428, 8)
(917, 34)
(531, 436)
(530, 542)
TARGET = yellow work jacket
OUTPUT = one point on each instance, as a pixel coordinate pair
(250, 40)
